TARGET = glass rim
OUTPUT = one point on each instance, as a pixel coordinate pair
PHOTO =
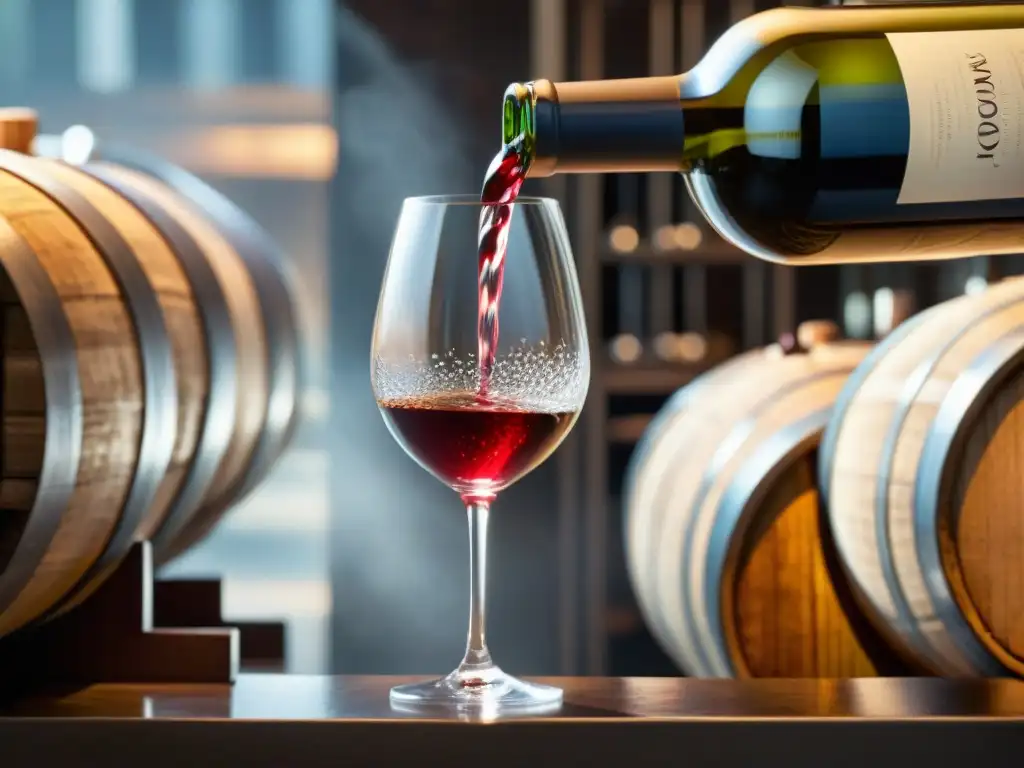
(467, 199)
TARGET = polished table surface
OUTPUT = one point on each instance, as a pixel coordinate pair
(293, 720)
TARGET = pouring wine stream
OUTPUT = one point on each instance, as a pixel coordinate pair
(501, 188)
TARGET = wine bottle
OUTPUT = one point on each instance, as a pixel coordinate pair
(818, 135)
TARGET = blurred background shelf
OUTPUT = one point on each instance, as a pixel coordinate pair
(649, 378)
(627, 430)
(713, 251)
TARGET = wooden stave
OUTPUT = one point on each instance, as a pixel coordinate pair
(787, 445)
(48, 562)
(951, 646)
(223, 382)
(639, 547)
(671, 530)
(902, 628)
(64, 429)
(161, 264)
(182, 318)
(783, 445)
(251, 384)
(272, 283)
(687, 627)
(684, 653)
(236, 282)
(751, 482)
(28, 552)
(266, 266)
(132, 271)
(943, 448)
(842, 401)
(648, 457)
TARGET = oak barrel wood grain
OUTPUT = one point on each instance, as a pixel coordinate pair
(95, 366)
(182, 318)
(922, 476)
(243, 303)
(135, 174)
(162, 191)
(253, 276)
(724, 543)
(138, 395)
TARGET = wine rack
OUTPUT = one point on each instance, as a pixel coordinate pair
(667, 299)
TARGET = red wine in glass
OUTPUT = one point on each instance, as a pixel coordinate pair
(476, 423)
(501, 187)
(474, 447)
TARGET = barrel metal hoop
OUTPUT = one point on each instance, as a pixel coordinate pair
(933, 486)
(725, 452)
(745, 492)
(218, 420)
(160, 397)
(280, 328)
(677, 403)
(827, 450)
(64, 415)
(907, 621)
(267, 267)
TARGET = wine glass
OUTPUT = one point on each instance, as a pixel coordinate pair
(475, 423)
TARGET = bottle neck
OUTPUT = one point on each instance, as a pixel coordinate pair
(616, 126)
(598, 126)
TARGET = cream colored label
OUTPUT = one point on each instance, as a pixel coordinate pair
(966, 96)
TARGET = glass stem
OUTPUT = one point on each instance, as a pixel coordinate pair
(477, 658)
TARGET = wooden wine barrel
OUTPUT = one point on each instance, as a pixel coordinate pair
(251, 273)
(125, 168)
(137, 385)
(722, 519)
(921, 468)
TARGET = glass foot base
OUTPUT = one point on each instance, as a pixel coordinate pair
(490, 690)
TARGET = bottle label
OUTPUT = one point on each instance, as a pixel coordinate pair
(966, 97)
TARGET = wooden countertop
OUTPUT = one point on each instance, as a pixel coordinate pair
(291, 720)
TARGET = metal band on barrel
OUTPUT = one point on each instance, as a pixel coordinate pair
(907, 621)
(267, 268)
(933, 486)
(160, 397)
(727, 450)
(826, 453)
(218, 419)
(745, 492)
(64, 415)
(650, 440)
(631, 483)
